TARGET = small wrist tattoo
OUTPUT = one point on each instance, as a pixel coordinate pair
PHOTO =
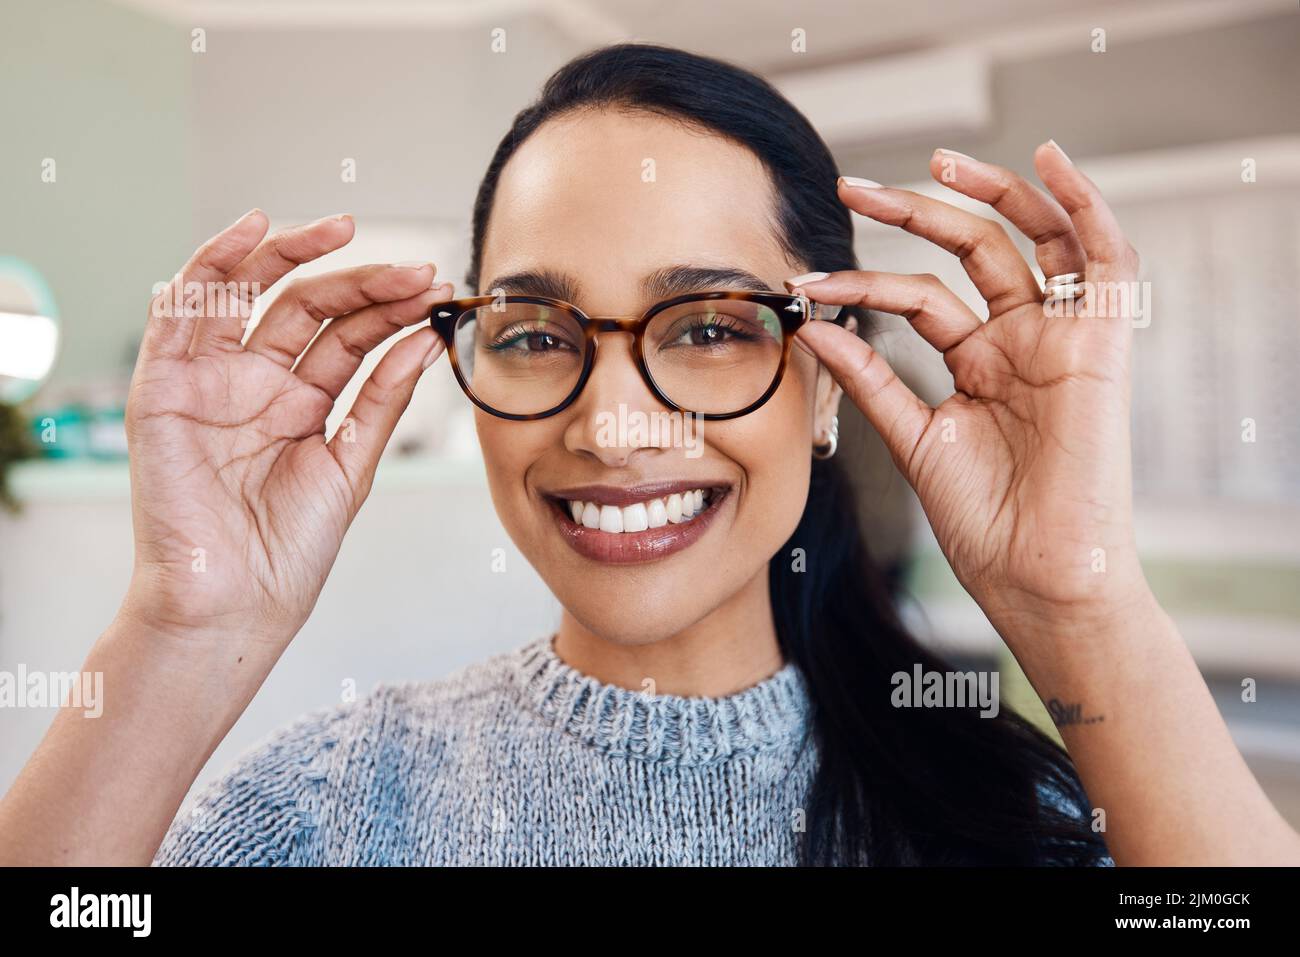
(1069, 714)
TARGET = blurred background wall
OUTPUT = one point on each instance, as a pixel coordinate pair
(166, 120)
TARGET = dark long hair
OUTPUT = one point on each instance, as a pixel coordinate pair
(893, 786)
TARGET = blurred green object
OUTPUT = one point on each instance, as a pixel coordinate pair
(61, 433)
(1019, 695)
(15, 445)
(77, 430)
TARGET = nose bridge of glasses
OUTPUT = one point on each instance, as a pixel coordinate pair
(628, 324)
(599, 326)
(619, 376)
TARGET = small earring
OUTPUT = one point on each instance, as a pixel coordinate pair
(827, 449)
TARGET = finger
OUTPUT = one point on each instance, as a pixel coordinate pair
(298, 313)
(383, 398)
(986, 252)
(1028, 208)
(333, 359)
(262, 268)
(866, 378)
(1110, 255)
(170, 329)
(934, 310)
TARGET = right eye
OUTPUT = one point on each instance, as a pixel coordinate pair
(529, 341)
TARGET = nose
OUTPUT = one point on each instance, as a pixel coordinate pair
(611, 416)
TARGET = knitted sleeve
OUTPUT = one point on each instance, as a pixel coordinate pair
(263, 810)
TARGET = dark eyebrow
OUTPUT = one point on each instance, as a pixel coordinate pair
(535, 282)
(679, 280)
(661, 284)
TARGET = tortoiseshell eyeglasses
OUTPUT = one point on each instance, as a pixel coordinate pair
(719, 355)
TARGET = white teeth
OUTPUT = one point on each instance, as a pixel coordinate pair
(635, 518)
(654, 513)
(611, 518)
(658, 515)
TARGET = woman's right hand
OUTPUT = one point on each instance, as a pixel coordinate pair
(240, 504)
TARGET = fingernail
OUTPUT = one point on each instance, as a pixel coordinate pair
(1057, 146)
(432, 355)
(252, 212)
(859, 181)
(955, 153)
(441, 288)
(805, 278)
(413, 264)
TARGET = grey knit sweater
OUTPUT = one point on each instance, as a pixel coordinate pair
(517, 760)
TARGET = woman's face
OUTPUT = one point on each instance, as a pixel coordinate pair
(601, 202)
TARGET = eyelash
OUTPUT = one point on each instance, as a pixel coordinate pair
(717, 321)
(507, 339)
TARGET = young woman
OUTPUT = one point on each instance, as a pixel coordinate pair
(720, 687)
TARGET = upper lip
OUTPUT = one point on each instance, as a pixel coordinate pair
(621, 495)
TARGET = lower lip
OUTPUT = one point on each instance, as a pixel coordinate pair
(628, 548)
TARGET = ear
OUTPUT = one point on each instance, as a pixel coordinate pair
(826, 401)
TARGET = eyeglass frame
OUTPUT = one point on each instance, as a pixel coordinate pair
(444, 316)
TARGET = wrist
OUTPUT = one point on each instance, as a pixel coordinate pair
(204, 685)
(1039, 619)
(215, 646)
(156, 612)
(1060, 640)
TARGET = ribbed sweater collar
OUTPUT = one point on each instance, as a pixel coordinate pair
(687, 731)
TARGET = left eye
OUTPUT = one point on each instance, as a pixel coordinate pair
(707, 334)
(710, 331)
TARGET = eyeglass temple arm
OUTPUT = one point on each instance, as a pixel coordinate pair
(816, 310)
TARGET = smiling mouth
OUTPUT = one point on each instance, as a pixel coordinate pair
(625, 526)
(639, 516)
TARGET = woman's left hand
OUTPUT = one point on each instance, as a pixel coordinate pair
(1025, 476)
(1025, 471)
